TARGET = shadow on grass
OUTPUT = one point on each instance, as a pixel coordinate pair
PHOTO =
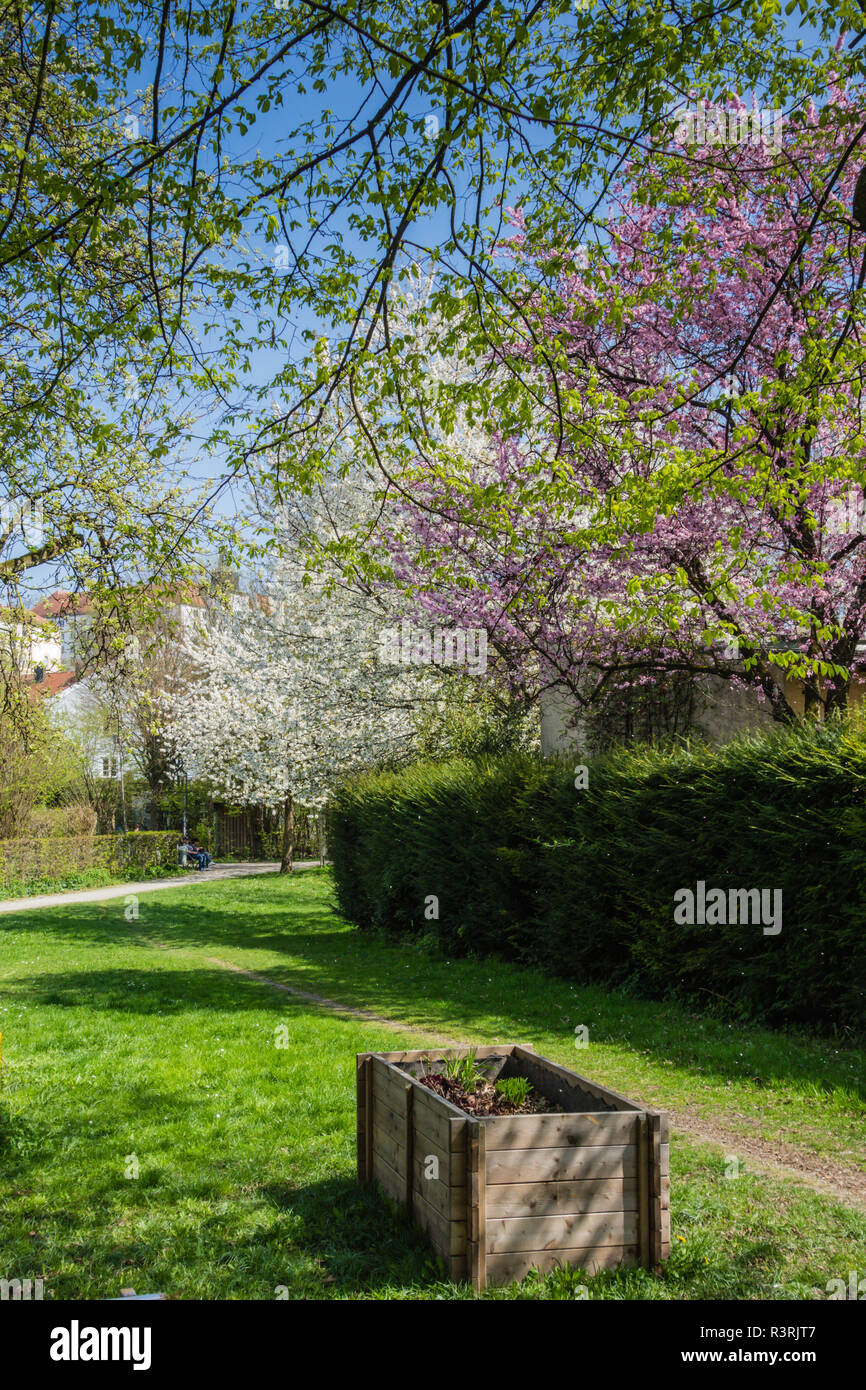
(159, 992)
(361, 1239)
(341, 1240)
(312, 948)
(21, 1140)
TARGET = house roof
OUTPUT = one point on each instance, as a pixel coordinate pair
(61, 603)
(24, 617)
(51, 684)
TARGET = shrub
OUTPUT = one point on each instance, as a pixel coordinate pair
(26, 860)
(35, 759)
(76, 819)
(582, 882)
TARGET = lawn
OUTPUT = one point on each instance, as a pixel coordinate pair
(82, 878)
(154, 1136)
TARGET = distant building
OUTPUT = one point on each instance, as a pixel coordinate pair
(32, 642)
(721, 711)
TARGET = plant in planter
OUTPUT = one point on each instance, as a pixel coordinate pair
(465, 1082)
(555, 1170)
(464, 1070)
(515, 1090)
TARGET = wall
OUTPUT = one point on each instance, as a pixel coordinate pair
(728, 711)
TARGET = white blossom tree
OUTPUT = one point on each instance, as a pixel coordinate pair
(297, 685)
(291, 694)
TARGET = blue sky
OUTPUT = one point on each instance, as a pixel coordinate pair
(344, 98)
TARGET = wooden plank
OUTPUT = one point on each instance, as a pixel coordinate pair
(364, 1117)
(449, 1237)
(458, 1130)
(437, 1053)
(390, 1142)
(387, 1121)
(660, 1221)
(561, 1198)
(654, 1181)
(563, 1164)
(389, 1087)
(659, 1182)
(568, 1091)
(505, 1234)
(643, 1178)
(448, 1201)
(502, 1269)
(435, 1116)
(452, 1166)
(663, 1195)
(368, 1105)
(429, 1119)
(410, 1147)
(560, 1131)
(477, 1225)
(390, 1182)
(392, 1151)
(583, 1083)
(482, 1206)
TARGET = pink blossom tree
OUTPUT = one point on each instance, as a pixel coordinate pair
(688, 491)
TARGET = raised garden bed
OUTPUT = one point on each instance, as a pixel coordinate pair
(585, 1183)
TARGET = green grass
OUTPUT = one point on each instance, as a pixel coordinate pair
(83, 878)
(122, 1056)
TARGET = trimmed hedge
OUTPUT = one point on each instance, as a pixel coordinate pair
(582, 882)
(27, 860)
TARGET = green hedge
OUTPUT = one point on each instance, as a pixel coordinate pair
(582, 882)
(142, 852)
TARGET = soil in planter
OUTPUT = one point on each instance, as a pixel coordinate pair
(483, 1098)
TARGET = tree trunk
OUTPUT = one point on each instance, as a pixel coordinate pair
(287, 864)
(811, 701)
(837, 698)
(122, 787)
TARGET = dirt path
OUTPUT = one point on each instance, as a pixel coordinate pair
(217, 873)
(777, 1159)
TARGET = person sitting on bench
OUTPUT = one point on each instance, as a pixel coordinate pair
(201, 854)
(194, 851)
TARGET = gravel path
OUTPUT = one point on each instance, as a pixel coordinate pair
(215, 874)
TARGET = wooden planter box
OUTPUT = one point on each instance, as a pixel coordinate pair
(587, 1186)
